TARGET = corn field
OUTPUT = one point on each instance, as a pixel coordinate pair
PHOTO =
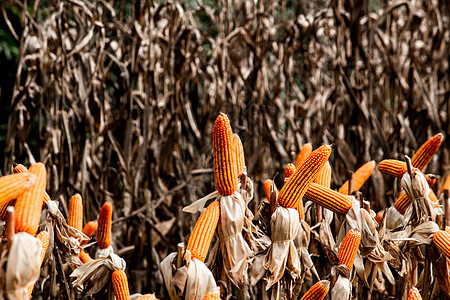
(118, 101)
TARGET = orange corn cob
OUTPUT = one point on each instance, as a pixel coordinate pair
(306, 150)
(392, 167)
(21, 169)
(293, 191)
(442, 241)
(3, 211)
(414, 294)
(120, 285)
(288, 171)
(84, 256)
(267, 187)
(426, 152)
(212, 295)
(14, 185)
(431, 179)
(328, 198)
(239, 152)
(324, 176)
(43, 237)
(90, 228)
(379, 216)
(318, 291)
(76, 212)
(29, 204)
(225, 174)
(104, 226)
(359, 178)
(403, 201)
(446, 185)
(349, 248)
(147, 297)
(203, 231)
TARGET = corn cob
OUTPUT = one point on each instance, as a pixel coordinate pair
(84, 256)
(120, 285)
(446, 185)
(267, 188)
(318, 291)
(3, 209)
(431, 179)
(426, 152)
(147, 297)
(349, 248)
(442, 241)
(359, 177)
(414, 294)
(324, 176)
(90, 228)
(104, 226)
(212, 295)
(203, 231)
(14, 185)
(43, 237)
(76, 212)
(379, 216)
(225, 174)
(239, 152)
(403, 201)
(29, 204)
(306, 150)
(328, 198)
(392, 167)
(293, 191)
(288, 171)
(21, 169)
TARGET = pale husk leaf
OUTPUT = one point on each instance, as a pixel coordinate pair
(341, 289)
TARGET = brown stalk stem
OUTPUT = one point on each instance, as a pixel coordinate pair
(350, 182)
(446, 208)
(409, 166)
(426, 278)
(319, 213)
(180, 254)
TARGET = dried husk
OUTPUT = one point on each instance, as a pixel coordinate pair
(341, 289)
(191, 281)
(282, 254)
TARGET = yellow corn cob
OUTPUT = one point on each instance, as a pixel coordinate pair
(306, 150)
(76, 212)
(14, 185)
(293, 191)
(90, 228)
(212, 295)
(442, 241)
(324, 176)
(359, 177)
(349, 248)
(147, 297)
(446, 185)
(403, 201)
(414, 294)
(84, 256)
(392, 167)
(239, 152)
(104, 226)
(318, 291)
(21, 169)
(29, 204)
(288, 171)
(43, 237)
(3, 211)
(328, 198)
(426, 152)
(120, 285)
(203, 231)
(225, 174)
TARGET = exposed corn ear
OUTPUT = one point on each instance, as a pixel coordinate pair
(379, 216)
(426, 152)
(349, 248)
(84, 257)
(225, 173)
(203, 231)
(392, 167)
(239, 152)
(21, 169)
(414, 294)
(4, 209)
(359, 177)
(403, 201)
(293, 191)
(147, 297)
(303, 154)
(43, 237)
(318, 291)
(104, 226)
(76, 212)
(288, 171)
(90, 228)
(324, 176)
(446, 185)
(29, 204)
(267, 188)
(120, 285)
(328, 198)
(212, 295)
(14, 185)
(442, 241)
(431, 179)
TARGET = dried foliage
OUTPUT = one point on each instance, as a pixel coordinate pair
(118, 100)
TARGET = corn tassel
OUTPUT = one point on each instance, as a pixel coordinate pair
(104, 226)
(84, 257)
(29, 204)
(212, 295)
(239, 152)
(76, 212)
(293, 191)
(225, 173)
(43, 237)
(14, 185)
(318, 291)
(147, 297)
(328, 198)
(21, 169)
(203, 231)
(349, 248)
(288, 171)
(442, 241)
(324, 176)
(120, 285)
(359, 177)
(414, 294)
(303, 154)
(90, 228)
(423, 156)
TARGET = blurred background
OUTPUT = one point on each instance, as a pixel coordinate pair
(118, 99)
